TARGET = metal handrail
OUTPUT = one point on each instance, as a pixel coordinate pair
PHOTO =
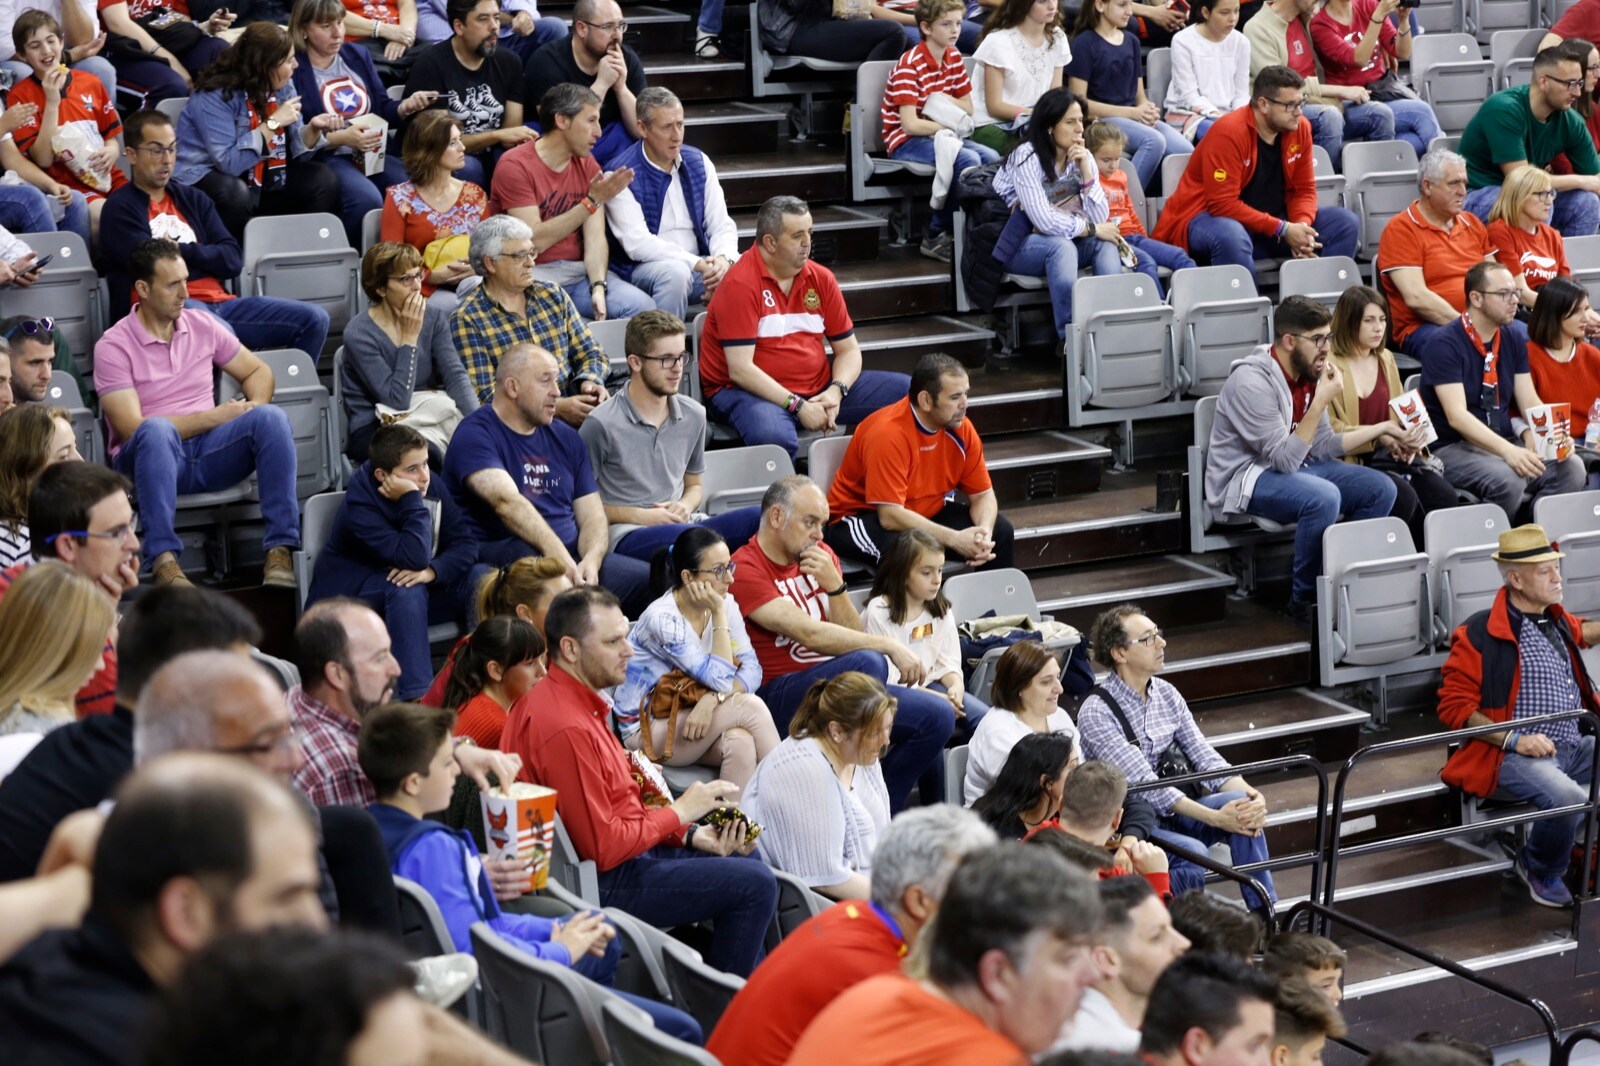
(1229, 873)
(1336, 814)
(1329, 915)
(1319, 846)
(1574, 1038)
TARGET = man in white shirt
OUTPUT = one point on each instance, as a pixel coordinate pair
(1136, 944)
(671, 232)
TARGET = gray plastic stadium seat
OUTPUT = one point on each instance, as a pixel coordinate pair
(68, 290)
(737, 477)
(542, 1011)
(797, 904)
(316, 526)
(1208, 532)
(635, 1041)
(869, 162)
(303, 397)
(424, 934)
(1512, 51)
(824, 460)
(1583, 257)
(1465, 580)
(1487, 17)
(172, 107)
(1449, 72)
(1220, 318)
(1158, 76)
(1120, 347)
(1441, 16)
(697, 988)
(1323, 279)
(1573, 521)
(1330, 183)
(1002, 592)
(306, 258)
(371, 228)
(640, 969)
(63, 392)
(955, 768)
(1374, 592)
(1172, 168)
(578, 876)
(1382, 182)
(611, 335)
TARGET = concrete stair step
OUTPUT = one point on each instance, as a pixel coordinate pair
(1388, 795)
(1169, 588)
(1370, 886)
(899, 344)
(899, 283)
(675, 67)
(725, 127)
(1117, 521)
(839, 234)
(813, 172)
(1252, 649)
(1268, 725)
(1042, 466)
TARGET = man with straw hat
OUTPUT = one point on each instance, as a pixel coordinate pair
(1517, 660)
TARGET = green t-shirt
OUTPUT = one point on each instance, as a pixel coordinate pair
(1504, 131)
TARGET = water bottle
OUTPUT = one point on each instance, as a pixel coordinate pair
(1591, 432)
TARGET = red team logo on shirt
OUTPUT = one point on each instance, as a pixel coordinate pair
(803, 591)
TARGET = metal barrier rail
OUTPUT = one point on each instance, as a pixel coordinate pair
(1574, 1038)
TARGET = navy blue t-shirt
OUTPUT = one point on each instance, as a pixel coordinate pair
(1452, 359)
(1112, 71)
(550, 467)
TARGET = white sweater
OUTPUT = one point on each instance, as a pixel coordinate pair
(812, 826)
(1209, 77)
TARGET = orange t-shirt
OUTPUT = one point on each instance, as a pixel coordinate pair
(482, 719)
(893, 459)
(1537, 256)
(1443, 256)
(892, 1020)
(1576, 382)
(1115, 183)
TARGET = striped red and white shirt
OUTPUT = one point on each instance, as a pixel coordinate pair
(915, 78)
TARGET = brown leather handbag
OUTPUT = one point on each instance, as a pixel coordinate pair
(673, 694)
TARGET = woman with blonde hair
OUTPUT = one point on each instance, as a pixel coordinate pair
(53, 628)
(1519, 229)
(820, 797)
(435, 211)
(32, 437)
(522, 589)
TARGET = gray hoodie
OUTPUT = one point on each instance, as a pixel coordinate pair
(1254, 432)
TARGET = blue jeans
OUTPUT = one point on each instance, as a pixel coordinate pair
(759, 421)
(358, 193)
(971, 30)
(710, 18)
(163, 467)
(265, 322)
(736, 527)
(1220, 241)
(1327, 128)
(1056, 259)
(408, 612)
(920, 150)
(602, 970)
(671, 284)
(1555, 781)
(1149, 145)
(670, 887)
(622, 299)
(1314, 497)
(972, 711)
(1413, 122)
(545, 30)
(1152, 254)
(628, 578)
(24, 209)
(922, 724)
(1187, 833)
(1576, 212)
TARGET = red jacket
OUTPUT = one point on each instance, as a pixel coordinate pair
(1482, 674)
(1222, 165)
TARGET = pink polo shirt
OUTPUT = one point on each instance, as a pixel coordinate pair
(170, 377)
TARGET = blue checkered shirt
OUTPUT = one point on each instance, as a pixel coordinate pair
(1547, 685)
(483, 329)
(1155, 722)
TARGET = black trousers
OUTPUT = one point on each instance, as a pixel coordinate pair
(1418, 490)
(861, 536)
(848, 40)
(309, 186)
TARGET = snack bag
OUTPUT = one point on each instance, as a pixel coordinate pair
(1552, 430)
(372, 162)
(1411, 411)
(520, 822)
(73, 144)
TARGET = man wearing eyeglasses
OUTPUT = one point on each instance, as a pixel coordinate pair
(1534, 124)
(153, 205)
(594, 56)
(1274, 454)
(1474, 373)
(647, 447)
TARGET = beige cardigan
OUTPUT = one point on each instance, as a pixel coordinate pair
(1344, 411)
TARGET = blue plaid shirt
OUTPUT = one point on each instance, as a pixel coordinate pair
(1155, 722)
(1547, 685)
(483, 329)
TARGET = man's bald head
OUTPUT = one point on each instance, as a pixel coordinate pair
(212, 701)
(520, 359)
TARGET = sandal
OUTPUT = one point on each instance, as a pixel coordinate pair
(708, 48)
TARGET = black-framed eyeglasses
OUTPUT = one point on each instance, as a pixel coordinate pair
(1504, 294)
(667, 361)
(1574, 85)
(1148, 640)
(521, 257)
(1321, 340)
(32, 327)
(159, 151)
(607, 27)
(1294, 107)
(120, 533)
(723, 572)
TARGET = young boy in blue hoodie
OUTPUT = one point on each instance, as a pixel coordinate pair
(407, 751)
(400, 545)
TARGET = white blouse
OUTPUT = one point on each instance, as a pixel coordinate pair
(992, 742)
(1028, 70)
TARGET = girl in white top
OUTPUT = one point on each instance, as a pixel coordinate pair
(908, 605)
(1027, 686)
(1022, 55)
(820, 796)
(1210, 67)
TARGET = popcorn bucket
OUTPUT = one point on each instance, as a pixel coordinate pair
(521, 823)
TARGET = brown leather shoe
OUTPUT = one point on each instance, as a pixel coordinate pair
(279, 571)
(166, 570)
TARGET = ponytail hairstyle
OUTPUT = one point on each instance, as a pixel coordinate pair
(669, 563)
(856, 701)
(529, 582)
(503, 639)
(892, 576)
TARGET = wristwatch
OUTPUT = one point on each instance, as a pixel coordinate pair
(844, 390)
(272, 125)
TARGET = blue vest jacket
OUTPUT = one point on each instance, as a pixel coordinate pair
(650, 189)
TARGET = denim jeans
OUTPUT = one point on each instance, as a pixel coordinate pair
(622, 299)
(1151, 254)
(669, 887)
(1413, 121)
(408, 612)
(164, 467)
(1149, 145)
(545, 29)
(971, 30)
(602, 970)
(710, 17)
(1554, 781)
(265, 322)
(759, 421)
(1314, 497)
(24, 209)
(1576, 212)
(671, 284)
(736, 527)
(1327, 128)
(1220, 241)
(920, 150)
(1056, 259)
(923, 723)
(972, 711)
(1197, 836)
(628, 578)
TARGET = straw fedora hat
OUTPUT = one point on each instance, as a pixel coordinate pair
(1525, 544)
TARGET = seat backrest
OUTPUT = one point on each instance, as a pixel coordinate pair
(955, 767)
(1460, 541)
(371, 228)
(1512, 52)
(302, 396)
(1345, 544)
(692, 386)
(577, 875)
(540, 1010)
(1568, 513)
(172, 107)
(317, 524)
(1136, 196)
(737, 477)
(1004, 592)
(1573, 522)
(797, 904)
(1449, 71)
(1205, 413)
(1379, 585)
(871, 81)
(67, 290)
(1119, 343)
(1323, 279)
(611, 334)
(1172, 168)
(1220, 318)
(697, 988)
(1583, 253)
(306, 258)
(1382, 182)
(635, 1041)
(422, 927)
(825, 458)
(63, 390)
(1158, 75)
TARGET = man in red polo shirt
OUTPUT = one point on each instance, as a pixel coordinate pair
(852, 941)
(902, 470)
(762, 360)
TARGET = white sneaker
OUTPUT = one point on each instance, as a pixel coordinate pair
(443, 979)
